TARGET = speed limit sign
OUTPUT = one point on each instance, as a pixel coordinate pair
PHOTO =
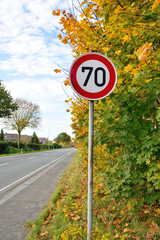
(93, 76)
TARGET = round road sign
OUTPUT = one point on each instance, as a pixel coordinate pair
(93, 76)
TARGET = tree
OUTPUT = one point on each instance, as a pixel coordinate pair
(63, 138)
(34, 138)
(7, 106)
(1, 135)
(127, 121)
(27, 115)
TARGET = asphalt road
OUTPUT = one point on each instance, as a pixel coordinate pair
(16, 167)
(26, 184)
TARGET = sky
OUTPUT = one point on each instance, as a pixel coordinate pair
(29, 52)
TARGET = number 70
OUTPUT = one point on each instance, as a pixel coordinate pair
(90, 70)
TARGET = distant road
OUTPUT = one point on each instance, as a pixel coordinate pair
(17, 167)
(26, 184)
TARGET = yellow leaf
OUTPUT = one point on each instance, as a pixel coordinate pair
(126, 38)
(70, 99)
(118, 9)
(158, 210)
(82, 15)
(66, 82)
(128, 68)
(122, 212)
(134, 71)
(142, 51)
(134, 33)
(118, 52)
(156, 3)
(148, 80)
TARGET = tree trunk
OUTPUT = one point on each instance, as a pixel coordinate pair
(19, 138)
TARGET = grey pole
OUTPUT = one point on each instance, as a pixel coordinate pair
(90, 170)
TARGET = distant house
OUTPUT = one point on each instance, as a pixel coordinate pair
(43, 140)
(13, 137)
(26, 138)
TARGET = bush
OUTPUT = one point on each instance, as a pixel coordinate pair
(35, 146)
(25, 147)
(11, 149)
(55, 145)
(3, 146)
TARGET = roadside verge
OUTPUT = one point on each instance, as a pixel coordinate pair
(64, 208)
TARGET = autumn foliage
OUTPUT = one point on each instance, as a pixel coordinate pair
(127, 122)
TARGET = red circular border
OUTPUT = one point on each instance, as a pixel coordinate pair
(88, 95)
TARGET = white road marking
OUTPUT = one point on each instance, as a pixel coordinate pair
(3, 164)
(34, 172)
(31, 157)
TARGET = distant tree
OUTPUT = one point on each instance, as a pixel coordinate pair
(34, 138)
(1, 135)
(27, 115)
(63, 137)
(7, 106)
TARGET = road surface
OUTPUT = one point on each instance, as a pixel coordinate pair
(26, 184)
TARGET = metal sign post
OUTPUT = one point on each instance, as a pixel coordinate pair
(93, 77)
(90, 169)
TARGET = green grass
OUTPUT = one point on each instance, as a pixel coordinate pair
(52, 219)
(9, 154)
(24, 152)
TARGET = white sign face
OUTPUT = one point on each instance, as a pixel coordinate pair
(93, 76)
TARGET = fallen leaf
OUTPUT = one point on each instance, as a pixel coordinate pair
(117, 235)
(43, 234)
(76, 218)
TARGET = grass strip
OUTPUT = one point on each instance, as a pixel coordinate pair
(65, 216)
(60, 212)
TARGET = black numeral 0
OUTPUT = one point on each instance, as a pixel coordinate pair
(95, 76)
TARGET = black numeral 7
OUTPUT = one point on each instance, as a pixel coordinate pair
(89, 74)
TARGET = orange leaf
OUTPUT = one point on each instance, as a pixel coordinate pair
(66, 82)
(116, 236)
(60, 36)
(76, 218)
(56, 13)
(43, 234)
(57, 70)
(72, 215)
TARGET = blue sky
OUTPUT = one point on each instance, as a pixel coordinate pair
(29, 52)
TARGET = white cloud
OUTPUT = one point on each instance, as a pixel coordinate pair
(29, 53)
(46, 90)
(27, 37)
